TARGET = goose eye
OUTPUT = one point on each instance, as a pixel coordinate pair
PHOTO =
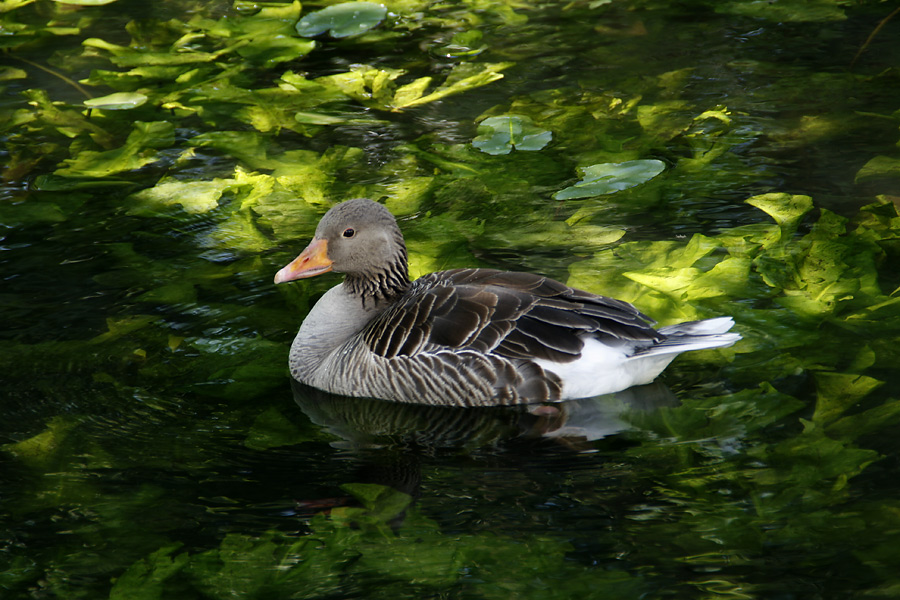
(349, 232)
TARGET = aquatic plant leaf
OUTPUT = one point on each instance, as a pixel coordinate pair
(465, 43)
(317, 118)
(785, 10)
(238, 232)
(838, 392)
(265, 36)
(786, 209)
(499, 135)
(55, 183)
(117, 101)
(245, 566)
(365, 84)
(463, 77)
(137, 152)
(229, 374)
(347, 19)
(381, 502)
(146, 578)
(272, 429)
(608, 178)
(28, 213)
(249, 147)
(725, 279)
(867, 422)
(42, 449)
(179, 292)
(193, 196)
(10, 5)
(124, 56)
(879, 167)
(435, 563)
(240, 567)
(275, 49)
(664, 120)
(411, 92)
(549, 236)
(10, 73)
(375, 88)
(45, 115)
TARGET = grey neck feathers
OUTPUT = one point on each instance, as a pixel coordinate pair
(385, 284)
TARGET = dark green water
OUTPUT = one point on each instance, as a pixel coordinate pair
(154, 447)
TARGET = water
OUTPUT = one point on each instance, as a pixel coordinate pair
(153, 445)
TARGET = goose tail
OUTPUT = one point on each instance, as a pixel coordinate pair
(696, 335)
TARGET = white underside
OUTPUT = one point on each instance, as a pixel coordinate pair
(604, 369)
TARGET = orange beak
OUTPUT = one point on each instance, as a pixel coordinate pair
(311, 262)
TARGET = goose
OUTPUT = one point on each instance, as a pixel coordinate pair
(466, 337)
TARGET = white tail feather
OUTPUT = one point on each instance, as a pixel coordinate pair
(603, 369)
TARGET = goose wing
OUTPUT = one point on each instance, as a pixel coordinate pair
(517, 316)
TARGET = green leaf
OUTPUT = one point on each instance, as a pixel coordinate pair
(837, 393)
(879, 167)
(145, 579)
(55, 183)
(272, 429)
(137, 152)
(317, 118)
(408, 94)
(124, 56)
(41, 449)
(9, 73)
(608, 178)
(26, 213)
(193, 196)
(271, 51)
(786, 209)
(380, 501)
(465, 43)
(347, 19)
(238, 232)
(241, 567)
(785, 10)
(499, 135)
(463, 77)
(117, 101)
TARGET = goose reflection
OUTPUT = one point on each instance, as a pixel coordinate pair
(365, 423)
(390, 442)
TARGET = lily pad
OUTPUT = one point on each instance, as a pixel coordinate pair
(343, 20)
(117, 101)
(498, 135)
(608, 178)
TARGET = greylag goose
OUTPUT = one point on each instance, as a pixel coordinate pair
(466, 337)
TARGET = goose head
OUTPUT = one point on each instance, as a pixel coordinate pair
(361, 239)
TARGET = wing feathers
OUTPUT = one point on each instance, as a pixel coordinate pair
(479, 329)
(515, 315)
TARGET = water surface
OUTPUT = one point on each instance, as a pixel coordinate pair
(154, 446)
